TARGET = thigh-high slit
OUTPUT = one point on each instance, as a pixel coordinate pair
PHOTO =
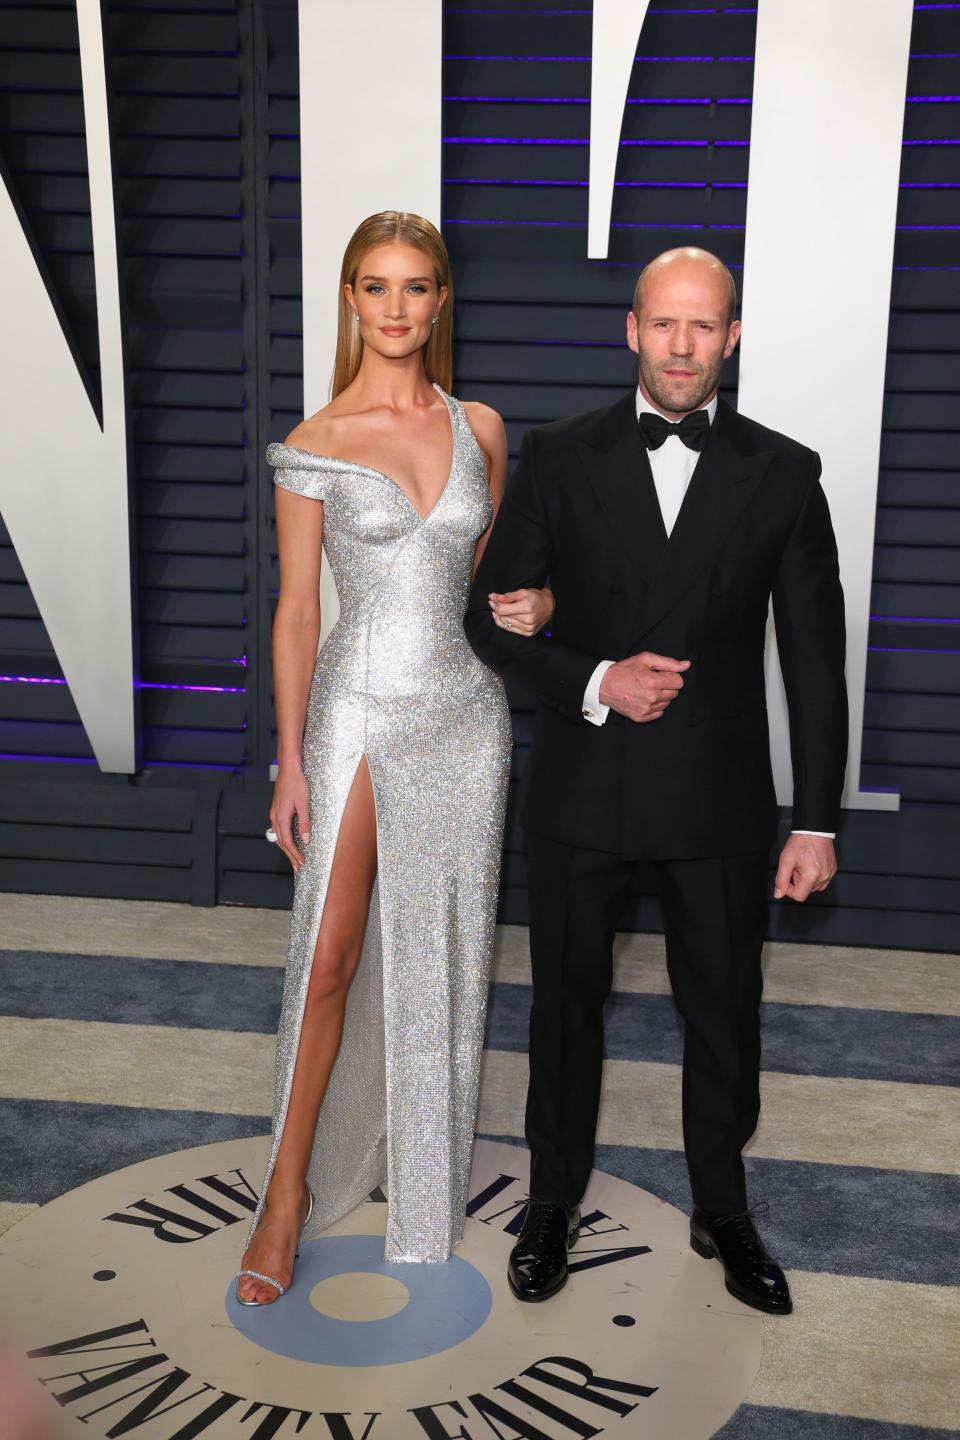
(397, 685)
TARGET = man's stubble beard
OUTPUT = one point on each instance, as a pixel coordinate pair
(709, 379)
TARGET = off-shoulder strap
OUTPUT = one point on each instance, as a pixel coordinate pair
(299, 470)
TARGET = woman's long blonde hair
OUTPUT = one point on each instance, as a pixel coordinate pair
(395, 227)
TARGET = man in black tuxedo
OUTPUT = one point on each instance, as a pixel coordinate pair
(664, 524)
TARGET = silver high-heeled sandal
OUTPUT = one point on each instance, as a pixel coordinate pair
(268, 1279)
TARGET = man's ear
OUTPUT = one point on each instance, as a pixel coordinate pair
(633, 338)
(733, 335)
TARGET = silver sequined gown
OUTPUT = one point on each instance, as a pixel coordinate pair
(397, 682)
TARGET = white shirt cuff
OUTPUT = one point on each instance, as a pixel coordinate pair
(593, 709)
(824, 834)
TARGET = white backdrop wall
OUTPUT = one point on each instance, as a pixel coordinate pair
(821, 217)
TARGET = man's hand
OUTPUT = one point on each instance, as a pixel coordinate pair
(807, 863)
(642, 686)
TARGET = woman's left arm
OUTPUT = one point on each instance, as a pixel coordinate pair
(525, 611)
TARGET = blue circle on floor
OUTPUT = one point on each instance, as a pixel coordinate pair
(448, 1303)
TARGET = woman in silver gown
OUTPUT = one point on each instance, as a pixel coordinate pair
(394, 755)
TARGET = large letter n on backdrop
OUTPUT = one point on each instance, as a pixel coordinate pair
(63, 488)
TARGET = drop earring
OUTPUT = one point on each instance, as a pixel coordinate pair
(356, 316)
(434, 320)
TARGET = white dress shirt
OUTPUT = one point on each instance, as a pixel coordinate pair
(672, 464)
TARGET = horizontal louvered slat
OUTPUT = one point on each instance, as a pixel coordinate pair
(915, 449)
(919, 563)
(911, 747)
(893, 711)
(195, 642)
(920, 633)
(43, 738)
(180, 746)
(917, 784)
(173, 608)
(915, 672)
(916, 371)
(22, 635)
(120, 882)
(940, 601)
(900, 525)
(187, 389)
(194, 502)
(55, 843)
(157, 461)
(192, 537)
(16, 603)
(184, 350)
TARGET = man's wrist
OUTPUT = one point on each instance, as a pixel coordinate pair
(593, 709)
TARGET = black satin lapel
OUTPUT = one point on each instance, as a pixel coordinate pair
(623, 485)
(722, 486)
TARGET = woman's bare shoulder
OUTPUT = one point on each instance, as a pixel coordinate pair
(487, 425)
(321, 432)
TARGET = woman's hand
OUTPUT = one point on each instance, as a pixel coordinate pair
(524, 612)
(291, 797)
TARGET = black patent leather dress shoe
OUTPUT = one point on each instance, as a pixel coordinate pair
(751, 1274)
(538, 1261)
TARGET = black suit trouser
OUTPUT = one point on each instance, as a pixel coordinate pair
(715, 919)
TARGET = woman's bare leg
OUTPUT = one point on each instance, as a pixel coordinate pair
(335, 960)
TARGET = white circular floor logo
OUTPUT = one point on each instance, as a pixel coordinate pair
(123, 1292)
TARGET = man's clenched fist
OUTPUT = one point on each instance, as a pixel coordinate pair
(642, 686)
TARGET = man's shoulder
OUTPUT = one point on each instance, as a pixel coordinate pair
(752, 437)
(558, 434)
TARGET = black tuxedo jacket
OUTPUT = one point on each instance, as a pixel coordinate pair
(582, 512)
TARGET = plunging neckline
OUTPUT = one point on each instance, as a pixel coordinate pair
(372, 470)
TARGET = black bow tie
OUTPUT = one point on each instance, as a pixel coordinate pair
(692, 429)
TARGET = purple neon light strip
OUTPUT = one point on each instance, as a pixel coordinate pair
(648, 59)
(619, 184)
(30, 680)
(706, 10)
(907, 650)
(143, 685)
(916, 619)
(213, 689)
(576, 225)
(638, 100)
(657, 225)
(49, 759)
(580, 100)
(626, 144)
(510, 10)
(663, 184)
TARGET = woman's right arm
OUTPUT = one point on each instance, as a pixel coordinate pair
(296, 634)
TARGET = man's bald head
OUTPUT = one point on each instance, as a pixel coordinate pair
(682, 328)
(694, 261)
